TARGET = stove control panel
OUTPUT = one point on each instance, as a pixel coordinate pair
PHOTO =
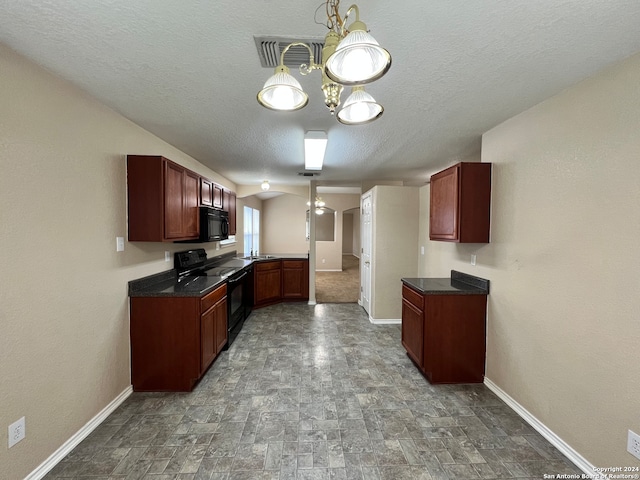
(189, 259)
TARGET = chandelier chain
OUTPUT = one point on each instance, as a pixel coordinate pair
(334, 21)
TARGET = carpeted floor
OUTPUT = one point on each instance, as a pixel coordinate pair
(340, 287)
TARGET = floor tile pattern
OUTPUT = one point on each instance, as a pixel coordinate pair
(314, 393)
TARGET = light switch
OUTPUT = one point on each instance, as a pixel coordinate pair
(119, 244)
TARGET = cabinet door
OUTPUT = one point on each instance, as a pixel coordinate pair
(267, 279)
(217, 196)
(191, 203)
(295, 279)
(206, 192)
(173, 201)
(207, 338)
(165, 343)
(460, 208)
(180, 203)
(412, 331)
(220, 324)
(162, 199)
(229, 205)
(444, 207)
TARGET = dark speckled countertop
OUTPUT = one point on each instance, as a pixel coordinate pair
(166, 284)
(458, 284)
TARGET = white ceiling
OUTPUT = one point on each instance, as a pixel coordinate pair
(189, 72)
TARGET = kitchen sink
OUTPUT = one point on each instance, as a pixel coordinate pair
(258, 257)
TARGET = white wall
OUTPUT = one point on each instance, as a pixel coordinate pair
(64, 347)
(563, 329)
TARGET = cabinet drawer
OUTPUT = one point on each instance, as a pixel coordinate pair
(212, 298)
(413, 297)
(297, 264)
(264, 266)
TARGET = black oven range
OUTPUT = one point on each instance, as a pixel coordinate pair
(194, 263)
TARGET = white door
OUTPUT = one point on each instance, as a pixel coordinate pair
(366, 231)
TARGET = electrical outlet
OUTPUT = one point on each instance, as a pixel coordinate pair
(16, 432)
(119, 244)
(473, 259)
(633, 444)
(167, 256)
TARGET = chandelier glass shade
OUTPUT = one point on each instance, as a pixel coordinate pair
(350, 57)
(358, 59)
(265, 186)
(282, 92)
(359, 108)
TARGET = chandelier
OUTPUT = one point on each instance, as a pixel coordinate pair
(350, 57)
(318, 205)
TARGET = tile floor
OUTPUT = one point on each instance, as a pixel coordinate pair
(314, 393)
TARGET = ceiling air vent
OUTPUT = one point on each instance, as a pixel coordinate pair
(270, 49)
(308, 174)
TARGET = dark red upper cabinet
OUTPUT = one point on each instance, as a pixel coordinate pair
(460, 207)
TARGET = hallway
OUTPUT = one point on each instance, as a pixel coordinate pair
(314, 392)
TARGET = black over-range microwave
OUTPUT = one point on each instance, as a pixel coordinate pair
(214, 224)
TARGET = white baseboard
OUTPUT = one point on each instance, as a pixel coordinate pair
(329, 270)
(566, 449)
(385, 321)
(80, 435)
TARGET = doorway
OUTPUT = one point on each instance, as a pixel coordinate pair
(340, 287)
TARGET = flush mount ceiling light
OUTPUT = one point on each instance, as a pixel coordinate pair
(315, 144)
(265, 185)
(351, 56)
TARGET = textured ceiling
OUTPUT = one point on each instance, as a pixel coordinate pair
(189, 72)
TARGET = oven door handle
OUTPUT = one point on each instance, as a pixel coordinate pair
(239, 278)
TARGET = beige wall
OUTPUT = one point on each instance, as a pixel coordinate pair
(394, 244)
(283, 224)
(64, 347)
(351, 232)
(284, 227)
(347, 233)
(563, 329)
(331, 252)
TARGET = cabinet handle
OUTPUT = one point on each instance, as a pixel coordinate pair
(236, 280)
